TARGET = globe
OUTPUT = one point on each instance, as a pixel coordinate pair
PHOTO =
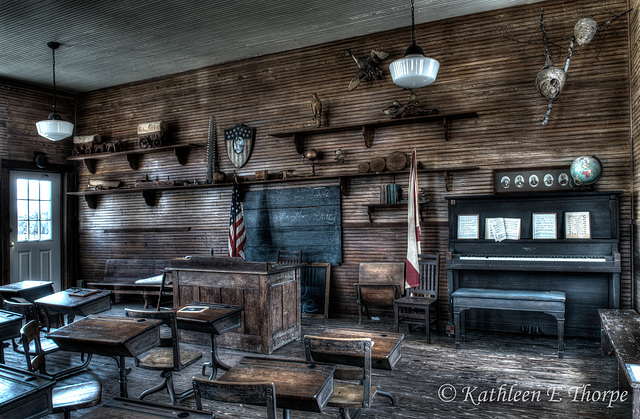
(586, 170)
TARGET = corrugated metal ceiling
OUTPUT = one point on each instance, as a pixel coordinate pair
(107, 43)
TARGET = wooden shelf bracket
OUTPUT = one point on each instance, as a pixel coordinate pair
(368, 132)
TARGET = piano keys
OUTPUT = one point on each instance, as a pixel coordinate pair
(587, 270)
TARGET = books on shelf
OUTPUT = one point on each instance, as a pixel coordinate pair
(392, 193)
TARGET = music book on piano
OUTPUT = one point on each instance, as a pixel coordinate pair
(501, 229)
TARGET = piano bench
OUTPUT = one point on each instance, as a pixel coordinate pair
(549, 302)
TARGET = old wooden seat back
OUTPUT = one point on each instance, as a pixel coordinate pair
(289, 257)
(65, 398)
(379, 284)
(165, 359)
(420, 305)
(258, 393)
(135, 278)
(352, 387)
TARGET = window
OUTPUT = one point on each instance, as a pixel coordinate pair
(34, 210)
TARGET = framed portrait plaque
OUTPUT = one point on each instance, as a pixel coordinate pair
(532, 180)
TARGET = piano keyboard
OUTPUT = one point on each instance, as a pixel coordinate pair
(537, 258)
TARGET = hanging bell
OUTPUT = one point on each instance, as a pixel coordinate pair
(550, 80)
(585, 30)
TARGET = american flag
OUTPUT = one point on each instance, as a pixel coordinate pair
(412, 272)
(237, 237)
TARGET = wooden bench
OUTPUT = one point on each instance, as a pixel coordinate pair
(549, 302)
(120, 276)
(619, 335)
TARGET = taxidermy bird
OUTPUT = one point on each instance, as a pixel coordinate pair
(367, 67)
(316, 108)
(393, 109)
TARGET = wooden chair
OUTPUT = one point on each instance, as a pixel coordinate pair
(168, 357)
(260, 394)
(379, 284)
(420, 305)
(28, 310)
(65, 398)
(289, 257)
(352, 387)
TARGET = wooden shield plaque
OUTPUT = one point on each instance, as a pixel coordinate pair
(239, 141)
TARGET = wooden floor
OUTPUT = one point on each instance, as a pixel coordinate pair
(490, 377)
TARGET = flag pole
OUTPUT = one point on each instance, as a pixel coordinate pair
(412, 269)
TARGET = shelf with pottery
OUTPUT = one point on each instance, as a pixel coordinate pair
(133, 156)
(369, 128)
(149, 193)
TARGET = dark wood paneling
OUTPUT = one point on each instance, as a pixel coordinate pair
(489, 63)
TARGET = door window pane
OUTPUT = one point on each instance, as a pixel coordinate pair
(34, 189)
(23, 231)
(22, 188)
(34, 205)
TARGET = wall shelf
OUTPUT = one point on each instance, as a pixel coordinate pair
(133, 156)
(149, 194)
(368, 128)
(371, 208)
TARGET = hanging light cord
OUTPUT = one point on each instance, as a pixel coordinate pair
(53, 51)
(413, 28)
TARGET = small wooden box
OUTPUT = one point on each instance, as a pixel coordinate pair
(262, 175)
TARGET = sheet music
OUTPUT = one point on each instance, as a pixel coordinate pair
(503, 228)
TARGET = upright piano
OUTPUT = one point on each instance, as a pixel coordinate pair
(587, 269)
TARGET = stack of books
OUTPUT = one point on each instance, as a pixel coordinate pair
(391, 193)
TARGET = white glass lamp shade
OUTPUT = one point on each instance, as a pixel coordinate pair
(414, 70)
(55, 129)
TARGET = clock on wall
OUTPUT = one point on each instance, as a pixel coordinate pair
(239, 140)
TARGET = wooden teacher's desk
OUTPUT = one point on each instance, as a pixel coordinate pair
(300, 385)
(76, 302)
(269, 293)
(109, 336)
(24, 394)
(213, 319)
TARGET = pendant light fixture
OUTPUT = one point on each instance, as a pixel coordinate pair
(54, 128)
(414, 69)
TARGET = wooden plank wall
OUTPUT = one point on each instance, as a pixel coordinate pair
(488, 64)
(634, 88)
(20, 108)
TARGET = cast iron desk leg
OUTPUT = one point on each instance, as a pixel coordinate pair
(122, 376)
(389, 395)
(215, 362)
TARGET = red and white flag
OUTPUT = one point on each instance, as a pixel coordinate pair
(412, 272)
(237, 237)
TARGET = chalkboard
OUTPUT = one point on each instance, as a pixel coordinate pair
(314, 290)
(291, 220)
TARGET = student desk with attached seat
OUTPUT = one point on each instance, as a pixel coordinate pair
(75, 302)
(24, 394)
(10, 324)
(27, 290)
(114, 336)
(214, 319)
(300, 385)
